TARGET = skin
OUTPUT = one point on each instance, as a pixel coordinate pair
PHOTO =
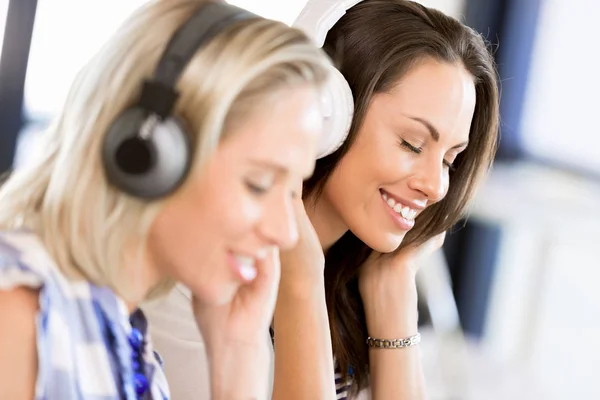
(241, 203)
(395, 151)
(438, 95)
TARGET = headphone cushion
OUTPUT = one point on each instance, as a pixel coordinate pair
(338, 109)
(146, 168)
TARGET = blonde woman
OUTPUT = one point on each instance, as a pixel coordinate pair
(173, 159)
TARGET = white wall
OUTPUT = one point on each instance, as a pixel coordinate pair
(287, 10)
(68, 32)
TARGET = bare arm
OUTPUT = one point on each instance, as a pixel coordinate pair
(239, 371)
(303, 353)
(234, 334)
(389, 292)
(396, 373)
(18, 363)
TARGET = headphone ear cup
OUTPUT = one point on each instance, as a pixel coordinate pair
(338, 109)
(147, 168)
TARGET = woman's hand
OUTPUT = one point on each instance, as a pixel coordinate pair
(304, 357)
(236, 335)
(247, 318)
(388, 289)
(304, 264)
(389, 293)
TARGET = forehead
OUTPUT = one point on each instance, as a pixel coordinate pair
(283, 130)
(442, 93)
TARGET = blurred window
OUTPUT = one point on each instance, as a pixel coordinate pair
(561, 108)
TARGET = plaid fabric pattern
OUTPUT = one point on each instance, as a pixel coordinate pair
(342, 387)
(82, 330)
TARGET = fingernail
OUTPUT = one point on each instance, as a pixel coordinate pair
(248, 272)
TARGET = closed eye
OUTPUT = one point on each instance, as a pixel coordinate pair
(449, 165)
(410, 147)
(255, 189)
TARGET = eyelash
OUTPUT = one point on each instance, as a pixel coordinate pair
(255, 189)
(418, 150)
(410, 147)
(260, 191)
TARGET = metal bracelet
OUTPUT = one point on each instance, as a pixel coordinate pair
(394, 343)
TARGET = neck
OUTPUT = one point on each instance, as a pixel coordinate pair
(328, 224)
(140, 276)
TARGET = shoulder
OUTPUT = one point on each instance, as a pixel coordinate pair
(20, 285)
(18, 308)
(19, 304)
(23, 261)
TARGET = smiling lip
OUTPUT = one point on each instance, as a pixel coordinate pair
(245, 270)
(417, 207)
(401, 222)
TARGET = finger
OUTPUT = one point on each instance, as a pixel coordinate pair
(297, 187)
(268, 271)
(416, 251)
(434, 244)
(302, 221)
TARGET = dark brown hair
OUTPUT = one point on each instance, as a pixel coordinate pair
(374, 45)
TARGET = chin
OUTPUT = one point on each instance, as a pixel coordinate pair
(382, 242)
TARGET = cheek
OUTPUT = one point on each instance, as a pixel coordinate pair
(181, 230)
(238, 215)
(378, 161)
(224, 211)
(191, 237)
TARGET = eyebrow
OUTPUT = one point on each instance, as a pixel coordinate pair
(435, 134)
(279, 169)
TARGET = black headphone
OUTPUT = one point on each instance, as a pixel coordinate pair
(146, 151)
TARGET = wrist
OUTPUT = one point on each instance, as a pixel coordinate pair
(239, 371)
(392, 314)
(301, 287)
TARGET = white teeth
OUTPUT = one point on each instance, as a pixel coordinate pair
(248, 272)
(245, 260)
(405, 211)
(246, 267)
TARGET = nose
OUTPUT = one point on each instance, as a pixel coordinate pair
(279, 226)
(431, 180)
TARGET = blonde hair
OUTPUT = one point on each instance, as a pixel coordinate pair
(62, 194)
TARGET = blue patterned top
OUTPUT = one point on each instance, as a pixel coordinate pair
(82, 330)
